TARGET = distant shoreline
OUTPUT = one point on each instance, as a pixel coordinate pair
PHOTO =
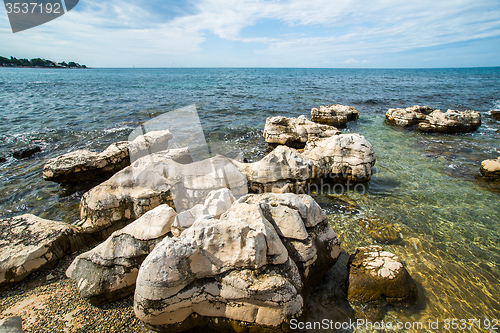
(37, 63)
(47, 67)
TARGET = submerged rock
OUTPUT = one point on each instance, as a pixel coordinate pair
(451, 121)
(490, 168)
(29, 243)
(27, 152)
(407, 117)
(2, 159)
(295, 132)
(108, 272)
(380, 230)
(334, 115)
(376, 275)
(249, 270)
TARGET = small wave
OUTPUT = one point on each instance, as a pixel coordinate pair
(117, 129)
(496, 105)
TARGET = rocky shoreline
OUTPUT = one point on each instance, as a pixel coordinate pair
(240, 254)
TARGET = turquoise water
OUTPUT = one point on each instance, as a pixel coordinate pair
(427, 186)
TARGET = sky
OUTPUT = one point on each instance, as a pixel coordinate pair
(266, 33)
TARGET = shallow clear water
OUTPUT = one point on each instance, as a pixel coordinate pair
(427, 185)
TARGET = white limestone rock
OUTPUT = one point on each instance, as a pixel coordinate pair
(108, 271)
(137, 189)
(84, 165)
(29, 243)
(407, 117)
(152, 181)
(451, 121)
(295, 132)
(334, 115)
(216, 203)
(238, 269)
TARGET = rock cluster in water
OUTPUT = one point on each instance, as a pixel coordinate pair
(153, 180)
(430, 120)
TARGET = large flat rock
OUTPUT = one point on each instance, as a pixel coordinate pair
(451, 121)
(29, 243)
(295, 132)
(335, 115)
(84, 165)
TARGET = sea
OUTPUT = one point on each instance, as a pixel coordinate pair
(426, 186)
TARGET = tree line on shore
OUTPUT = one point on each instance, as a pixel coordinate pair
(37, 62)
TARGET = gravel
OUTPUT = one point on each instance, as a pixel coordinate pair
(48, 301)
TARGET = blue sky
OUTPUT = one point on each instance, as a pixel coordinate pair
(266, 33)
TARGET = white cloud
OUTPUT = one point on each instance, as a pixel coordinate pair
(122, 32)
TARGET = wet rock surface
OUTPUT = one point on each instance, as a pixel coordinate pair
(376, 275)
(335, 115)
(295, 132)
(239, 272)
(26, 153)
(30, 243)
